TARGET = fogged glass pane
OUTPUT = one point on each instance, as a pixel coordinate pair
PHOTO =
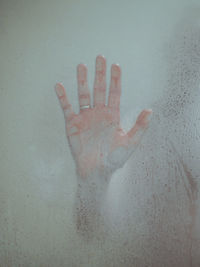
(142, 208)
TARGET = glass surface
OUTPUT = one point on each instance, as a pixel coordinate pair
(152, 204)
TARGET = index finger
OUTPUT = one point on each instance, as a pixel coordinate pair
(115, 87)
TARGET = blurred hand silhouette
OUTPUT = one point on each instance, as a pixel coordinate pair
(97, 141)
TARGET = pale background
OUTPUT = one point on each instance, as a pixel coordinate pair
(41, 43)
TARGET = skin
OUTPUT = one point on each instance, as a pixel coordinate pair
(98, 143)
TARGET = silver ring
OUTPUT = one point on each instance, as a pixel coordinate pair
(84, 107)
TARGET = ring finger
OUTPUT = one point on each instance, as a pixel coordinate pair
(83, 90)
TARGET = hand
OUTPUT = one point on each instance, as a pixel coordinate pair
(97, 141)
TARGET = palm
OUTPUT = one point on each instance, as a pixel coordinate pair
(95, 134)
(92, 124)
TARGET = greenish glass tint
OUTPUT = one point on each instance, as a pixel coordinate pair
(151, 209)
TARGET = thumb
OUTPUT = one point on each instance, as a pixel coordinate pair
(141, 124)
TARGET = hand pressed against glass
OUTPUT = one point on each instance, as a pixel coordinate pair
(97, 141)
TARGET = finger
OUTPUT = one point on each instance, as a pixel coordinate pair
(65, 105)
(141, 122)
(100, 82)
(115, 88)
(83, 91)
(142, 118)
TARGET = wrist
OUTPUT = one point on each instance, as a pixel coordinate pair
(91, 198)
(97, 174)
